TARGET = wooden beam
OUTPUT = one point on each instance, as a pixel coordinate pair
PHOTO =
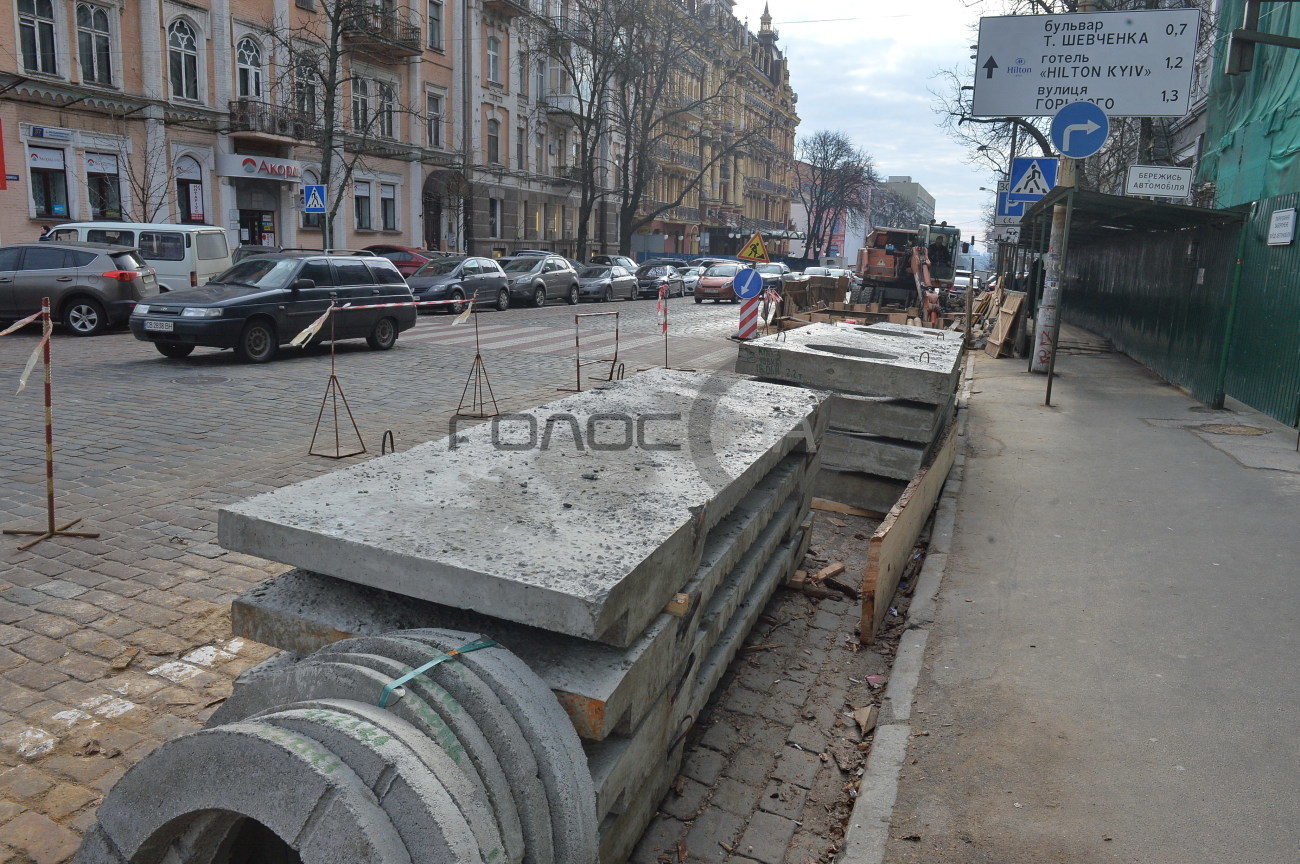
(828, 506)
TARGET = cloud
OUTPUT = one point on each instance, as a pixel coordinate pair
(871, 75)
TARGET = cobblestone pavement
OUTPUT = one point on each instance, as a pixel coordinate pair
(111, 645)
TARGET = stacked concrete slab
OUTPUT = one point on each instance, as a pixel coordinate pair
(894, 392)
(617, 583)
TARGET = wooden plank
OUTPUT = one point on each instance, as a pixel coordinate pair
(830, 506)
(891, 545)
(679, 605)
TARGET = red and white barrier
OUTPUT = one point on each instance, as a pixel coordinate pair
(749, 318)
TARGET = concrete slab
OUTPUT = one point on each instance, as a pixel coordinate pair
(869, 491)
(321, 808)
(884, 457)
(889, 418)
(442, 721)
(602, 688)
(853, 359)
(520, 534)
(436, 812)
(489, 713)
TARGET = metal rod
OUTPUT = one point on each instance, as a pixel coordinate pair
(1056, 329)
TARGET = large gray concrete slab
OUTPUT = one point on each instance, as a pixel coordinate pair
(602, 687)
(886, 457)
(1109, 676)
(889, 418)
(853, 359)
(858, 489)
(522, 534)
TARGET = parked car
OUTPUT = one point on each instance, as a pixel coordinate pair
(518, 253)
(773, 274)
(182, 256)
(661, 262)
(262, 302)
(620, 260)
(538, 278)
(690, 275)
(460, 279)
(715, 283)
(604, 282)
(408, 259)
(91, 286)
(241, 252)
(709, 262)
(649, 278)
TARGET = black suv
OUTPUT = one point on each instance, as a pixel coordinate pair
(264, 301)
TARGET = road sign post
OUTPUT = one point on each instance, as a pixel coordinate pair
(1135, 63)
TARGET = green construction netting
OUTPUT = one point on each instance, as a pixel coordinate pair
(1252, 136)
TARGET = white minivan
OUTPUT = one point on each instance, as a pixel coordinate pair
(185, 256)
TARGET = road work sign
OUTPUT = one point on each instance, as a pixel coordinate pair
(1164, 181)
(1136, 63)
(1031, 178)
(754, 250)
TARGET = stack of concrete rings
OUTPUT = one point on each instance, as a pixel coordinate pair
(473, 760)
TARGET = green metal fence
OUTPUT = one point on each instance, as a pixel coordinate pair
(1264, 357)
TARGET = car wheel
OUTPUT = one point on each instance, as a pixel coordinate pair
(735, 299)
(457, 304)
(609, 294)
(573, 295)
(539, 297)
(174, 350)
(84, 316)
(257, 343)
(699, 299)
(383, 335)
(503, 300)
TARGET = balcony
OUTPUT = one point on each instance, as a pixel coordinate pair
(508, 8)
(568, 172)
(382, 31)
(562, 104)
(761, 184)
(250, 119)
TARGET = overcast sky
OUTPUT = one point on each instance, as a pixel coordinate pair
(870, 73)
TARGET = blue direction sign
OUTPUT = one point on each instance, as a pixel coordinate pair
(1009, 212)
(313, 199)
(1079, 129)
(1032, 177)
(747, 284)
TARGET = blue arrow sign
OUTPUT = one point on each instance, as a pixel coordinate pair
(313, 198)
(747, 284)
(1032, 177)
(1079, 129)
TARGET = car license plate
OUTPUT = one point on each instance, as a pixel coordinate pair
(158, 326)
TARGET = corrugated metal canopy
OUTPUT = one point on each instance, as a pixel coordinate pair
(1097, 215)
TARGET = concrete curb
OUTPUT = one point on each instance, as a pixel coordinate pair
(867, 832)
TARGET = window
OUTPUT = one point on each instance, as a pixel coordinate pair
(183, 60)
(387, 110)
(318, 271)
(103, 189)
(539, 78)
(539, 154)
(162, 246)
(494, 217)
(388, 206)
(44, 258)
(361, 205)
(494, 59)
(521, 67)
(360, 105)
(384, 274)
(521, 148)
(433, 119)
(494, 142)
(36, 35)
(311, 220)
(211, 245)
(189, 190)
(248, 63)
(304, 87)
(92, 45)
(435, 25)
(352, 272)
(49, 181)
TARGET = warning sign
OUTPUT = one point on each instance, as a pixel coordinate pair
(1031, 178)
(754, 250)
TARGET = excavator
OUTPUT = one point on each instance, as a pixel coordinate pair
(903, 265)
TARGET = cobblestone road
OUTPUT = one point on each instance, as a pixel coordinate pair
(109, 646)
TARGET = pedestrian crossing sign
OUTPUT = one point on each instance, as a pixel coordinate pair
(754, 250)
(1031, 178)
(313, 198)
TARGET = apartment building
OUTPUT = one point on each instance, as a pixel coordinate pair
(429, 125)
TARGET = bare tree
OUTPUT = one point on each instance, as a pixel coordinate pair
(679, 75)
(148, 176)
(832, 177)
(888, 209)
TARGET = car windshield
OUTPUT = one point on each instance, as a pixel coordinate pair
(594, 273)
(770, 268)
(692, 271)
(653, 271)
(817, 271)
(522, 265)
(259, 273)
(722, 270)
(439, 267)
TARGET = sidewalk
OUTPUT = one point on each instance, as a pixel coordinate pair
(1110, 672)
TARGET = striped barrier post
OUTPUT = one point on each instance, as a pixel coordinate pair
(749, 319)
